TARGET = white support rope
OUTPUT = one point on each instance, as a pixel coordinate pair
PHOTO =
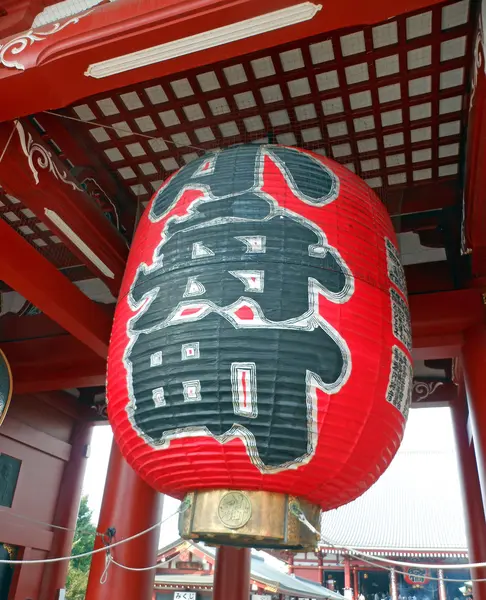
(378, 560)
(111, 560)
(370, 559)
(92, 552)
(375, 564)
(45, 524)
(133, 568)
(401, 563)
(104, 575)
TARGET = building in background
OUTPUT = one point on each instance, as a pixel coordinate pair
(413, 513)
(188, 568)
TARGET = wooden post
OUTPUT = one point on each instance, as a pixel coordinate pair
(474, 514)
(348, 590)
(320, 563)
(232, 574)
(66, 514)
(393, 585)
(130, 506)
(291, 564)
(355, 583)
(474, 367)
(441, 585)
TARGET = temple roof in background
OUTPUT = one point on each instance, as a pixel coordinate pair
(415, 508)
(262, 572)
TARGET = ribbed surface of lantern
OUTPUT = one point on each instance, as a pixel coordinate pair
(262, 337)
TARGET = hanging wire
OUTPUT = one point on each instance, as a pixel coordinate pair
(97, 551)
(373, 560)
(392, 569)
(119, 129)
(111, 560)
(8, 141)
(378, 560)
(45, 524)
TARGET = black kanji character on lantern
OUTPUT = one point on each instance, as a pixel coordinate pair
(230, 342)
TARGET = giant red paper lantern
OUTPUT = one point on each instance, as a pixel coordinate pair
(262, 337)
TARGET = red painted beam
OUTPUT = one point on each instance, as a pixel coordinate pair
(18, 15)
(50, 378)
(15, 328)
(421, 279)
(429, 277)
(422, 198)
(33, 276)
(118, 28)
(32, 173)
(55, 363)
(446, 312)
(67, 404)
(429, 393)
(440, 320)
(75, 273)
(61, 362)
(73, 148)
(475, 175)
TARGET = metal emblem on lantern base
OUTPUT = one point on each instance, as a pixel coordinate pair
(256, 519)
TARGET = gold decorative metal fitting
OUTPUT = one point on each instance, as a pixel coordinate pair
(244, 518)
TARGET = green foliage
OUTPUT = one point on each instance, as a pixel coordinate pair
(84, 538)
(77, 582)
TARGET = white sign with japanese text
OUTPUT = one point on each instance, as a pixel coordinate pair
(184, 595)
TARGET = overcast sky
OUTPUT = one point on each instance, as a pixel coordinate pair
(427, 429)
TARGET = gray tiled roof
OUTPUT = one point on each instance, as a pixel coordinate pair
(287, 584)
(416, 505)
(261, 571)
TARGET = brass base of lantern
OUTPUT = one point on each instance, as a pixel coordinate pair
(256, 519)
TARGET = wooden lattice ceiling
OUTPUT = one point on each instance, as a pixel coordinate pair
(389, 101)
(36, 231)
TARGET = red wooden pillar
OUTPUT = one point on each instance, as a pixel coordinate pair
(474, 367)
(474, 517)
(232, 574)
(130, 506)
(355, 583)
(320, 562)
(441, 585)
(393, 585)
(348, 590)
(291, 564)
(55, 574)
